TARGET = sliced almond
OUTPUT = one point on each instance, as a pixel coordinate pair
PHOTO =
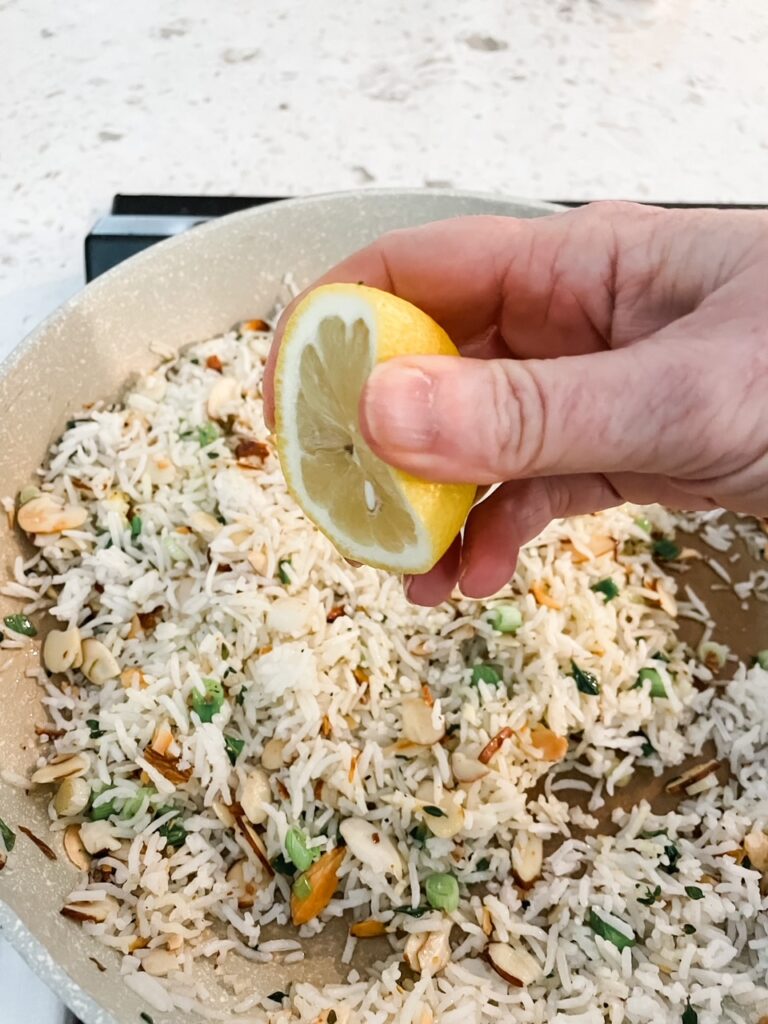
(254, 842)
(444, 817)
(467, 769)
(244, 887)
(62, 650)
(223, 398)
(47, 515)
(527, 858)
(74, 849)
(370, 929)
(223, 813)
(756, 845)
(97, 836)
(428, 952)
(167, 766)
(174, 942)
(133, 679)
(314, 889)
(372, 847)
(681, 783)
(94, 911)
(419, 722)
(72, 797)
(205, 525)
(551, 746)
(99, 664)
(487, 924)
(159, 962)
(513, 963)
(540, 591)
(665, 599)
(64, 766)
(597, 545)
(162, 739)
(494, 745)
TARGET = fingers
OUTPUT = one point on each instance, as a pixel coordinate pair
(436, 586)
(638, 409)
(515, 514)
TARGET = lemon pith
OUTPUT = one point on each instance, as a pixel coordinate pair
(372, 512)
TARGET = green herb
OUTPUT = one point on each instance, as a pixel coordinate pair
(660, 656)
(282, 571)
(608, 932)
(762, 659)
(442, 892)
(186, 434)
(20, 624)
(224, 651)
(282, 866)
(647, 749)
(694, 892)
(689, 929)
(607, 588)
(673, 856)
(650, 897)
(220, 519)
(207, 434)
(209, 703)
(175, 550)
(435, 812)
(302, 888)
(666, 550)
(133, 804)
(506, 618)
(93, 725)
(483, 864)
(8, 836)
(173, 832)
(297, 850)
(240, 698)
(146, 1018)
(277, 997)
(651, 675)
(136, 525)
(486, 674)
(644, 524)
(234, 747)
(689, 1014)
(420, 833)
(413, 911)
(585, 681)
(212, 455)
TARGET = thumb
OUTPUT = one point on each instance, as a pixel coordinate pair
(480, 421)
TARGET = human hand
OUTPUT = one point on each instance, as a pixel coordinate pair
(615, 353)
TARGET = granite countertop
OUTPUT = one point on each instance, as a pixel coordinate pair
(645, 99)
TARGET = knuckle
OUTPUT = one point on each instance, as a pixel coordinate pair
(515, 420)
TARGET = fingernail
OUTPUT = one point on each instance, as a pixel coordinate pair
(407, 584)
(397, 408)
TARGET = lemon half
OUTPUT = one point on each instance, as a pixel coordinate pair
(372, 512)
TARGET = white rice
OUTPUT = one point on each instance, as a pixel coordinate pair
(289, 673)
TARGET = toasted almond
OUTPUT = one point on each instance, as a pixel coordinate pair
(369, 929)
(494, 745)
(95, 911)
(162, 739)
(133, 679)
(551, 746)
(322, 879)
(45, 514)
(681, 783)
(214, 363)
(223, 398)
(159, 962)
(372, 847)
(224, 813)
(426, 694)
(254, 842)
(244, 887)
(428, 952)
(666, 601)
(335, 613)
(756, 846)
(138, 943)
(64, 766)
(251, 450)
(513, 963)
(72, 797)
(487, 922)
(204, 524)
(135, 628)
(444, 825)
(326, 727)
(148, 620)
(167, 766)
(97, 836)
(596, 546)
(527, 858)
(353, 766)
(541, 593)
(174, 942)
(99, 664)
(420, 724)
(272, 756)
(74, 849)
(62, 650)
(467, 769)
(259, 325)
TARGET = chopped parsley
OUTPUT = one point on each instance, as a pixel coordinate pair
(9, 836)
(694, 892)
(136, 525)
(207, 434)
(666, 550)
(585, 681)
(20, 624)
(689, 1014)
(650, 897)
(673, 856)
(490, 674)
(93, 725)
(606, 931)
(607, 588)
(435, 812)
(413, 911)
(234, 747)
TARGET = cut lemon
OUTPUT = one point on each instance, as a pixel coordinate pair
(372, 512)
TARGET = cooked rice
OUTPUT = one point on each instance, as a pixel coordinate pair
(333, 691)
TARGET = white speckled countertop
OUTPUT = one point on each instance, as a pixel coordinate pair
(646, 99)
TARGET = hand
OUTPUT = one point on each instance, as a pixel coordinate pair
(616, 353)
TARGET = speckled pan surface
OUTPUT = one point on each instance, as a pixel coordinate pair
(186, 289)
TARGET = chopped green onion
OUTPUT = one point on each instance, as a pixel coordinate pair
(282, 866)
(173, 832)
(762, 659)
(650, 897)
(607, 588)
(297, 850)
(20, 624)
(689, 929)
(435, 812)
(486, 674)
(209, 703)
(666, 550)
(133, 804)
(207, 434)
(8, 836)
(644, 524)
(673, 856)
(412, 911)
(585, 681)
(652, 676)
(506, 618)
(93, 725)
(136, 525)
(694, 892)
(302, 888)
(608, 932)
(234, 747)
(442, 892)
(28, 494)
(689, 1014)
(420, 833)
(282, 571)
(103, 810)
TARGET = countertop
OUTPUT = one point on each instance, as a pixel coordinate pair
(641, 99)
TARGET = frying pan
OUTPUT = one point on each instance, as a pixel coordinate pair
(186, 289)
(189, 288)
